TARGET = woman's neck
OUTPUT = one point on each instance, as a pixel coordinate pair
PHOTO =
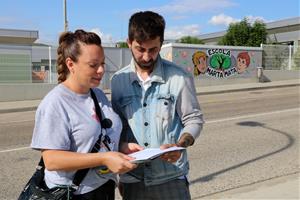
(75, 87)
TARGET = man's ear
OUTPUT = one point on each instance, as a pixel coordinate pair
(129, 43)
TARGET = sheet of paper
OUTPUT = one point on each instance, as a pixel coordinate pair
(150, 153)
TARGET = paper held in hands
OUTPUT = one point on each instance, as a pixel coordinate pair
(151, 153)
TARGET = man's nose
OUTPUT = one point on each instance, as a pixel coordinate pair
(146, 56)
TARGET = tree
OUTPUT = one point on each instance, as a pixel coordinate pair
(220, 61)
(258, 34)
(122, 45)
(190, 40)
(243, 34)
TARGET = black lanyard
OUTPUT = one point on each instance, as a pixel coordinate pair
(105, 123)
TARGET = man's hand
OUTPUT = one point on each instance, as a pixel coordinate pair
(172, 156)
(186, 140)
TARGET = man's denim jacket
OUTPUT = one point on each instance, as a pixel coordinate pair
(168, 108)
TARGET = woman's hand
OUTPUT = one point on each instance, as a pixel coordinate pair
(128, 148)
(69, 161)
(117, 162)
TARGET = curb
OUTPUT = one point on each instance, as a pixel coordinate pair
(280, 186)
(248, 89)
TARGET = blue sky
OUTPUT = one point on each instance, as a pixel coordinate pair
(110, 18)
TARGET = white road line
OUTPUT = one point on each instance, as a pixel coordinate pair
(207, 122)
(250, 116)
(17, 149)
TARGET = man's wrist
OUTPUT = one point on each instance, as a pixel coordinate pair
(186, 140)
(184, 144)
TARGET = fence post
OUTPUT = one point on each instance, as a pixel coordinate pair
(290, 58)
(50, 66)
(259, 74)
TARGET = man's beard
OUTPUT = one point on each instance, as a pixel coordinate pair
(145, 66)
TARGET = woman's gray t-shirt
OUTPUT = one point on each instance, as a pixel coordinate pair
(67, 121)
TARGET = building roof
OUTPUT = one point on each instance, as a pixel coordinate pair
(15, 36)
(284, 22)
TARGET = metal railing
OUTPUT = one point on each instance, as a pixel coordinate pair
(37, 64)
(280, 57)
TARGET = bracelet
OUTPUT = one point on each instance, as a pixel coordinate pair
(103, 170)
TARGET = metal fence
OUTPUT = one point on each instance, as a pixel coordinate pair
(280, 57)
(37, 64)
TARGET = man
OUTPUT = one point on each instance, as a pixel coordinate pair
(157, 103)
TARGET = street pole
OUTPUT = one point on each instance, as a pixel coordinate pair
(65, 16)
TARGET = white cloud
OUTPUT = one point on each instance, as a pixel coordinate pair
(105, 38)
(193, 6)
(225, 20)
(222, 19)
(252, 19)
(177, 32)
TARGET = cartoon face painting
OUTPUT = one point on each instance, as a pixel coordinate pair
(243, 61)
(200, 62)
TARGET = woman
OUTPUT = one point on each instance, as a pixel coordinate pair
(67, 126)
(200, 62)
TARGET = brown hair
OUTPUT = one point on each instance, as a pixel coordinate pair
(145, 26)
(69, 48)
(244, 55)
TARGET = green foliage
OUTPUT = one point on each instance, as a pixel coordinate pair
(244, 34)
(258, 34)
(190, 40)
(122, 45)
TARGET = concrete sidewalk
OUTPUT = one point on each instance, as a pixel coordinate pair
(246, 86)
(29, 105)
(281, 188)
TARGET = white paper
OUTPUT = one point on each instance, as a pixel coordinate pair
(150, 153)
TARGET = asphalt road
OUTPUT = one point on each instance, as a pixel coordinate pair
(249, 137)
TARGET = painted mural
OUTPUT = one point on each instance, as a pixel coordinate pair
(219, 63)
